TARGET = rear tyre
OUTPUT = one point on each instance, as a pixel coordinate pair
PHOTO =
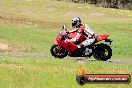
(58, 52)
(103, 52)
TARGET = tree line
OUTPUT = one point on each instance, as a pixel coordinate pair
(119, 4)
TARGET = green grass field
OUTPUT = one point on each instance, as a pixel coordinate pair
(28, 29)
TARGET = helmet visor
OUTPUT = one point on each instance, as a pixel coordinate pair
(73, 24)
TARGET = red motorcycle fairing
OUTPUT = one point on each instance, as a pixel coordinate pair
(68, 45)
(101, 37)
(72, 35)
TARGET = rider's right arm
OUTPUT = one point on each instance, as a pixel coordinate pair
(73, 31)
(88, 30)
(76, 38)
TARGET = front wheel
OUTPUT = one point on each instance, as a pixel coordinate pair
(102, 52)
(58, 52)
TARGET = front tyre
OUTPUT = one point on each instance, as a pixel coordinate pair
(103, 52)
(58, 52)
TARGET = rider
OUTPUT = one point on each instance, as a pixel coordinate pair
(85, 36)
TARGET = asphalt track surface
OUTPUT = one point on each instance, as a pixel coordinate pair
(84, 60)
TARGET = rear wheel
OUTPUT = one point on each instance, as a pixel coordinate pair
(102, 52)
(58, 52)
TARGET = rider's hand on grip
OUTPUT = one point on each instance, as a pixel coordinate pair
(68, 32)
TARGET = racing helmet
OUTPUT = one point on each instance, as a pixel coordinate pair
(76, 21)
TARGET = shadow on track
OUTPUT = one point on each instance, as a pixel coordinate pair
(85, 60)
(109, 61)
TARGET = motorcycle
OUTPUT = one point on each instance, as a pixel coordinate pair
(63, 47)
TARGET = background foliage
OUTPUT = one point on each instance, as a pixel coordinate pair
(120, 4)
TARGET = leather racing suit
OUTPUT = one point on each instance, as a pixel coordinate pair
(85, 36)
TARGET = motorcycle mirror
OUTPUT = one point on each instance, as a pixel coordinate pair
(64, 26)
(63, 30)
